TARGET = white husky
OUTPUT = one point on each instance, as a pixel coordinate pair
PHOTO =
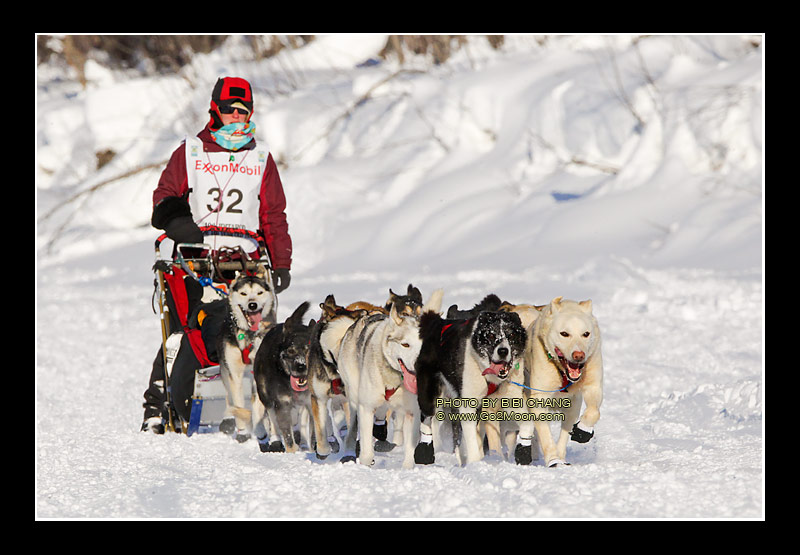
(376, 364)
(563, 356)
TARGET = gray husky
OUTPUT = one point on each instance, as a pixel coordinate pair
(376, 362)
(323, 372)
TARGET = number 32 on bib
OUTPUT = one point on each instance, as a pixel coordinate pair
(225, 186)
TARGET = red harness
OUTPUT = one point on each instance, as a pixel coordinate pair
(246, 353)
(448, 326)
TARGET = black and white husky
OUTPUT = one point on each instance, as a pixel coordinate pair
(464, 360)
(251, 312)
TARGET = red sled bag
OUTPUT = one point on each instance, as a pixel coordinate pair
(177, 288)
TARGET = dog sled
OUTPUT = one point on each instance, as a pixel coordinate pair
(213, 269)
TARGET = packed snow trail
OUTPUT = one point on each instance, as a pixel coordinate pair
(680, 434)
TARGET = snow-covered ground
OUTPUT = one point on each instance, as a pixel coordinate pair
(628, 172)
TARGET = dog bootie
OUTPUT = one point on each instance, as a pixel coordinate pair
(276, 447)
(523, 454)
(580, 434)
(379, 430)
(241, 437)
(228, 426)
(383, 446)
(423, 453)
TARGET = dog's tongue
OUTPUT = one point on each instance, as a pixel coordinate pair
(494, 368)
(409, 379)
(296, 385)
(254, 319)
(573, 368)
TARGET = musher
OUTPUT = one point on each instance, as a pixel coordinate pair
(221, 178)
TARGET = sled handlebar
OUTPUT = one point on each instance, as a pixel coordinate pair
(258, 241)
(211, 260)
(225, 232)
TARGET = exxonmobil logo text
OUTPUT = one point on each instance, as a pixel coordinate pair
(233, 167)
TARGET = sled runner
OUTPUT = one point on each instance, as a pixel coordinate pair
(212, 270)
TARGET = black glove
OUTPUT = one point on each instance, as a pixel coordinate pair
(281, 279)
(174, 216)
(183, 230)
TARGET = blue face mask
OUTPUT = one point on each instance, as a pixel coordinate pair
(234, 135)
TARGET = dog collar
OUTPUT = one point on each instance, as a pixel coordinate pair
(493, 386)
(247, 349)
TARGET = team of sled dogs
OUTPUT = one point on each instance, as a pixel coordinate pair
(497, 373)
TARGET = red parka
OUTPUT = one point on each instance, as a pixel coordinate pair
(272, 217)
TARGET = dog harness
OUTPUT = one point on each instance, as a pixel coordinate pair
(447, 327)
(246, 353)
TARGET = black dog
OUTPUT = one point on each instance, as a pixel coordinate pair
(281, 376)
(490, 302)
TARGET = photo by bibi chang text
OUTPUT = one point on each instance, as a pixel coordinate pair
(504, 403)
(501, 403)
(485, 416)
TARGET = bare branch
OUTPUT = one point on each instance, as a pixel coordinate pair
(100, 185)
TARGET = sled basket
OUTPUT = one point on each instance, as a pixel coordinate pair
(214, 270)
